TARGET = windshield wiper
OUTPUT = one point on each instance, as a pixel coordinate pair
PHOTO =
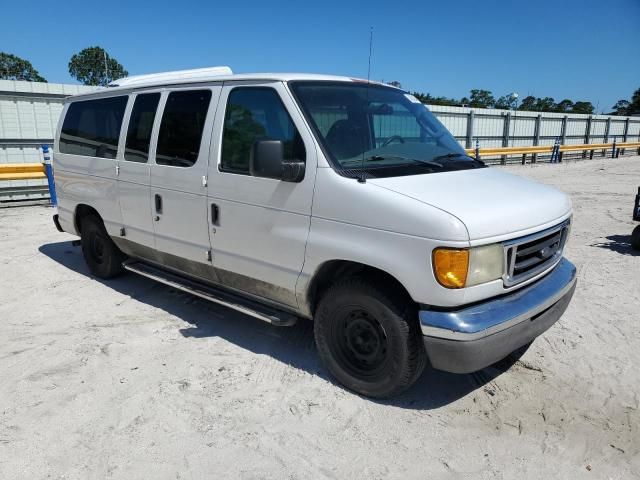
(377, 158)
(459, 155)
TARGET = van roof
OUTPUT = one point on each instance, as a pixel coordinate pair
(209, 74)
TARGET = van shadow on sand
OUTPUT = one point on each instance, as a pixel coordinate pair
(293, 346)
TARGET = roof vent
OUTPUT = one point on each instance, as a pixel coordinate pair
(179, 76)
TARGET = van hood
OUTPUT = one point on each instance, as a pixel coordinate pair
(489, 201)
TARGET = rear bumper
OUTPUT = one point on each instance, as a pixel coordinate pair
(474, 337)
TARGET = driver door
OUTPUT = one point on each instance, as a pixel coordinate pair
(259, 225)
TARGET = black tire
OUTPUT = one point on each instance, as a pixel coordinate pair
(635, 238)
(368, 338)
(102, 256)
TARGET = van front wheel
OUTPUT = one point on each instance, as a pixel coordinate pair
(102, 256)
(369, 338)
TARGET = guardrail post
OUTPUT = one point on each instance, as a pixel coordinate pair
(626, 133)
(613, 150)
(477, 149)
(607, 128)
(536, 136)
(587, 136)
(48, 170)
(554, 151)
(563, 136)
(505, 135)
(470, 118)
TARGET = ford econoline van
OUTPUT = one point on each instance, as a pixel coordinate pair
(333, 199)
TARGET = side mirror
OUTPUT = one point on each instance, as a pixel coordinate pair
(293, 171)
(267, 160)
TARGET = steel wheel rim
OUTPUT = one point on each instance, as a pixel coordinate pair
(360, 342)
(97, 248)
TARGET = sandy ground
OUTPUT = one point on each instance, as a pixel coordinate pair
(129, 379)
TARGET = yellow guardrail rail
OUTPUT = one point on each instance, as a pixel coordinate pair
(28, 171)
(22, 171)
(493, 151)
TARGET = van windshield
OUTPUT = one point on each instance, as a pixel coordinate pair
(379, 131)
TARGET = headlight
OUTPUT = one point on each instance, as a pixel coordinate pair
(465, 267)
(485, 264)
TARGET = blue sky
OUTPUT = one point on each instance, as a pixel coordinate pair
(582, 50)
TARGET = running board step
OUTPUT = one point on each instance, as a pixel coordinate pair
(229, 300)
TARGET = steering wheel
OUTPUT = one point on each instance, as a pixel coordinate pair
(391, 139)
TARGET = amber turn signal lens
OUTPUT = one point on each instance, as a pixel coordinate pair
(451, 266)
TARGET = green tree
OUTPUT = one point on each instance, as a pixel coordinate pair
(16, 68)
(546, 104)
(634, 107)
(628, 107)
(528, 103)
(431, 100)
(582, 107)
(94, 66)
(621, 107)
(565, 105)
(481, 99)
(503, 103)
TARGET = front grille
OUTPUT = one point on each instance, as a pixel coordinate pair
(528, 256)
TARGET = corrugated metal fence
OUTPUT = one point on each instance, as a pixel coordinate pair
(29, 114)
(503, 128)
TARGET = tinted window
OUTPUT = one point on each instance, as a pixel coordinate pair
(92, 127)
(140, 126)
(181, 128)
(256, 114)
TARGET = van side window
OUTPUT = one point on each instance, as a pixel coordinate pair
(92, 127)
(140, 126)
(181, 127)
(256, 113)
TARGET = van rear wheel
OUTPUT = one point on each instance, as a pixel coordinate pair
(102, 256)
(368, 338)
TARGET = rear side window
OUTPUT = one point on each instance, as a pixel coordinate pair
(256, 113)
(140, 127)
(92, 127)
(181, 127)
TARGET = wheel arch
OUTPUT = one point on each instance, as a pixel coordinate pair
(329, 270)
(82, 211)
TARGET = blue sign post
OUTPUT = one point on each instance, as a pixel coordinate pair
(48, 170)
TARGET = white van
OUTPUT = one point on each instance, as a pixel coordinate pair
(289, 196)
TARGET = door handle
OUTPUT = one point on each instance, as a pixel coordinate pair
(158, 202)
(215, 214)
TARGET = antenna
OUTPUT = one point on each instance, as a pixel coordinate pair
(370, 49)
(362, 178)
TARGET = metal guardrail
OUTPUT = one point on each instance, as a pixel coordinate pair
(29, 171)
(37, 171)
(17, 195)
(22, 171)
(557, 150)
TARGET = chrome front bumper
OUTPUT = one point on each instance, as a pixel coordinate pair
(473, 337)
